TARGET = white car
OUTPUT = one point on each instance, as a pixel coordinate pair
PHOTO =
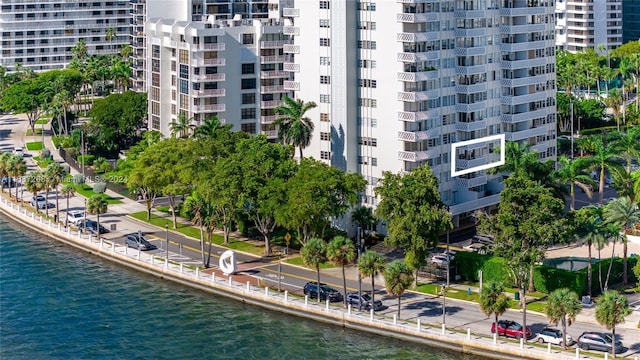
(40, 201)
(553, 336)
(18, 151)
(75, 217)
(440, 259)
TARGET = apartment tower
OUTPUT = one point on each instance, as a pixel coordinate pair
(584, 24)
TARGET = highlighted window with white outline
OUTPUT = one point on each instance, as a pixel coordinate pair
(468, 170)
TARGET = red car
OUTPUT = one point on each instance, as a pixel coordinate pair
(510, 328)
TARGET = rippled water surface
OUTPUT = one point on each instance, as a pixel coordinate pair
(60, 303)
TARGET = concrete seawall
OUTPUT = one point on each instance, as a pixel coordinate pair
(282, 302)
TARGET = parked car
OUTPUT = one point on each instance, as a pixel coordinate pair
(92, 227)
(476, 247)
(441, 259)
(40, 202)
(365, 300)
(599, 341)
(326, 292)
(75, 217)
(8, 182)
(511, 329)
(553, 336)
(137, 241)
(18, 151)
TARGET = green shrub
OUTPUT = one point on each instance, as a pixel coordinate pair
(99, 187)
(547, 279)
(469, 263)
(495, 268)
(98, 163)
(78, 179)
(45, 153)
(66, 168)
(103, 168)
(88, 159)
(616, 273)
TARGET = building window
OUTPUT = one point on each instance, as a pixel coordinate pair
(324, 117)
(248, 84)
(184, 71)
(249, 98)
(372, 103)
(324, 23)
(368, 64)
(325, 79)
(368, 83)
(325, 98)
(248, 128)
(367, 141)
(374, 161)
(366, 44)
(325, 42)
(183, 56)
(324, 4)
(324, 60)
(246, 114)
(325, 155)
(366, 6)
(367, 25)
(247, 39)
(248, 68)
(184, 87)
(325, 136)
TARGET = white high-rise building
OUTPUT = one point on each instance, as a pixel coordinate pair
(40, 34)
(398, 81)
(583, 24)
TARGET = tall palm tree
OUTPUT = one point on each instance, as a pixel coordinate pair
(182, 127)
(55, 174)
(125, 51)
(97, 205)
(627, 144)
(208, 128)
(397, 278)
(493, 301)
(604, 157)
(4, 167)
(611, 310)
(574, 173)
(34, 182)
(624, 212)
(314, 253)
(341, 252)
(614, 100)
(294, 128)
(563, 306)
(17, 167)
(110, 34)
(588, 225)
(371, 264)
(626, 69)
(121, 72)
(195, 205)
(363, 217)
(68, 190)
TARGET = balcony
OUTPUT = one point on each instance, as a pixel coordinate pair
(414, 136)
(418, 56)
(469, 70)
(469, 33)
(273, 59)
(418, 76)
(523, 29)
(209, 77)
(272, 89)
(523, 46)
(415, 156)
(290, 12)
(270, 104)
(291, 85)
(525, 63)
(268, 119)
(467, 164)
(477, 106)
(525, 11)
(525, 134)
(524, 116)
(412, 96)
(291, 49)
(291, 30)
(413, 116)
(418, 37)
(291, 67)
(212, 47)
(471, 88)
(209, 92)
(471, 126)
(271, 134)
(209, 108)
(469, 14)
(274, 44)
(473, 182)
(273, 74)
(524, 81)
(209, 62)
(523, 99)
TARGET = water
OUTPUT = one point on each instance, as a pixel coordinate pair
(60, 303)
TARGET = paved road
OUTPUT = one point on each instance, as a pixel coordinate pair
(459, 314)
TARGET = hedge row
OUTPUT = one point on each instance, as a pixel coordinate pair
(545, 278)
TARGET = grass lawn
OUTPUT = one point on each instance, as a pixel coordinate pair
(42, 121)
(87, 191)
(42, 163)
(34, 146)
(37, 132)
(194, 232)
(434, 289)
(298, 261)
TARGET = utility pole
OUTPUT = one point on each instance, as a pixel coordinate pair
(82, 152)
(571, 117)
(448, 259)
(166, 238)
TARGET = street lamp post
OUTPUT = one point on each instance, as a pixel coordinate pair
(448, 259)
(358, 243)
(84, 219)
(571, 118)
(82, 151)
(166, 238)
(279, 269)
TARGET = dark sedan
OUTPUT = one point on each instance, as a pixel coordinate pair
(363, 302)
(92, 227)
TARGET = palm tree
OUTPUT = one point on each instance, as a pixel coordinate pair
(34, 182)
(110, 34)
(363, 217)
(125, 51)
(294, 128)
(397, 278)
(627, 144)
(4, 167)
(493, 301)
(80, 50)
(182, 127)
(97, 205)
(55, 176)
(17, 167)
(121, 71)
(370, 264)
(314, 253)
(626, 69)
(562, 306)
(588, 224)
(614, 100)
(624, 212)
(208, 128)
(604, 158)
(341, 252)
(195, 205)
(68, 190)
(573, 172)
(611, 310)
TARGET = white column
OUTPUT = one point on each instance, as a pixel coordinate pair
(213, 276)
(444, 329)
(248, 286)
(230, 281)
(419, 325)
(395, 319)
(286, 295)
(468, 334)
(266, 291)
